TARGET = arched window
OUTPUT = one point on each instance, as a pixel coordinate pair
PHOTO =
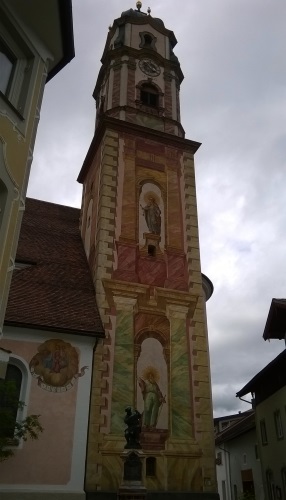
(148, 40)
(13, 402)
(10, 391)
(149, 95)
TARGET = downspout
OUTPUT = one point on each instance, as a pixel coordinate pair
(245, 401)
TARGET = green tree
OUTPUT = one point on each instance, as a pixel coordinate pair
(11, 430)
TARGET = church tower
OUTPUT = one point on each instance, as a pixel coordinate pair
(140, 231)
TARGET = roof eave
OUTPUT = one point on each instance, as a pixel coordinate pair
(66, 21)
(275, 327)
(86, 333)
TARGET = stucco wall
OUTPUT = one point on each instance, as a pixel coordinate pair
(239, 455)
(57, 459)
(273, 454)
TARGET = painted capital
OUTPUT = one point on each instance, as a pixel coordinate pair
(176, 311)
(124, 303)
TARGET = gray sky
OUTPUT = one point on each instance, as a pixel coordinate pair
(233, 100)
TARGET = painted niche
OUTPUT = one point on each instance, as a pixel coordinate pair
(152, 386)
(151, 216)
(56, 366)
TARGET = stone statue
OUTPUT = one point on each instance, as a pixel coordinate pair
(152, 214)
(132, 433)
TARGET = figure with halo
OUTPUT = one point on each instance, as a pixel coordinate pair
(152, 214)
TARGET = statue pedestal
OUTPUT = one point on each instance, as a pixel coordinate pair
(151, 246)
(132, 487)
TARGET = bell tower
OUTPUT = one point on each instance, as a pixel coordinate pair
(140, 76)
(140, 232)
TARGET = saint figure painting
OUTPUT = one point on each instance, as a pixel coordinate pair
(152, 214)
(152, 396)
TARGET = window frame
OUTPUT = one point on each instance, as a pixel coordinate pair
(151, 45)
(13, 374)
(4, 49)
(146, 86)
(278, 425)
(18, 97)
(149, 94)
(24, 393)
(263, 432)
(219, 458)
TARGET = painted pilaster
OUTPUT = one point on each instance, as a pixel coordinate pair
(180, 411)
(191, 221)
(123, 372)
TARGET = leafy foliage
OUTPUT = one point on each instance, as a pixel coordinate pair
(249, 495)
(11, 431)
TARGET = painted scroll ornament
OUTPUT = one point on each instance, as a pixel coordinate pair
(56, 366)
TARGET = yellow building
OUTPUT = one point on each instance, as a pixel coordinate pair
(36, 42)
(140, 230)
(267, 390)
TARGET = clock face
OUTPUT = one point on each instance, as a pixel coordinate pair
(149, 67)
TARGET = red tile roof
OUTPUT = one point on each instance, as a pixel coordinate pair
(56, 291)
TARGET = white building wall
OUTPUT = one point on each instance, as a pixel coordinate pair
(239, 455)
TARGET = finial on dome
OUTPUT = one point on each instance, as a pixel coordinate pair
(139, 5)
(149, 11)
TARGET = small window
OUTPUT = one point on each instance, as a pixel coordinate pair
(244, 459)
(7, 63)
(278, 425)
(152, 250)
(17, 70)
(256, 452)
(219, 458)
(10, 389)
(149, 96)
(148, 40)
(150, 466)
(263, 432)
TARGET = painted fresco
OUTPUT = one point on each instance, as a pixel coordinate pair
(56, 366)
(152, 385)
